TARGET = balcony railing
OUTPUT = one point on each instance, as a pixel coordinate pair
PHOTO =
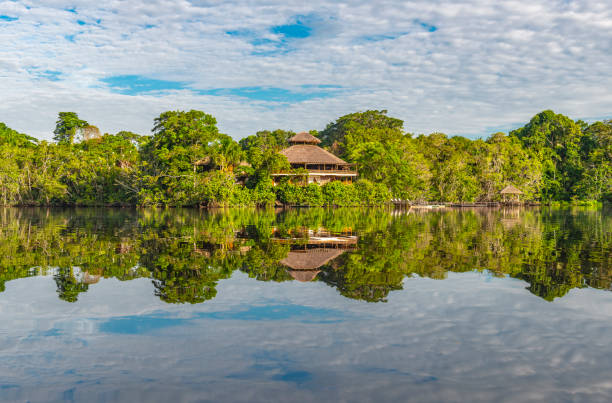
(346, 172)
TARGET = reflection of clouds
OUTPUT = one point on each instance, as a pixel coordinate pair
(463, 339)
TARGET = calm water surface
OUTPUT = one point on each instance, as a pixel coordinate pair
(305, 305)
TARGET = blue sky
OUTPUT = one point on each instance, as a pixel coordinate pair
(454, 67)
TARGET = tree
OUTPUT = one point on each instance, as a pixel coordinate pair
(12, 137)
(596, 150)
(453, 167)
(555, 139)
(381, 150)
(358, 127)
(260, 145)
(501, 161)
(181, 141)
(226, 152)
(68, 287)
(183, 129)
(262, 152)
(68, 125)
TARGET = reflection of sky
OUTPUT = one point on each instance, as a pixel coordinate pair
(468, 338)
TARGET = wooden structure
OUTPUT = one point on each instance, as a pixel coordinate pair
(511, 194)
(321, 165)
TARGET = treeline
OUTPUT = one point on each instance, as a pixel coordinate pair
(188, 162)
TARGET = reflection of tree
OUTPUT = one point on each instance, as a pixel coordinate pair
(68, 287)
(355, 280)
(185, 271)
(187, 252)
(553, 250)
(262, 262)
(183, 286)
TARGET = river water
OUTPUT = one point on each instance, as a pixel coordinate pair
(106, 305)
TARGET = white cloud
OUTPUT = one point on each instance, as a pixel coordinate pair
(487, 64)
(467, 338)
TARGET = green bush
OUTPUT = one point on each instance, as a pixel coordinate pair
(339, 194)
(335, 193)
(216, 189)
(287, 193)
(263, 193)
(312, 195)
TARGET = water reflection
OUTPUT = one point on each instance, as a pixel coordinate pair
(363, 253)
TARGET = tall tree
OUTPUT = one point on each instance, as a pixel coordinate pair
(262, 145)
(556, 140)
(358, 127)
(262, 152)
(502, 161)
(381, 150)
(596, 180)
(67, 127)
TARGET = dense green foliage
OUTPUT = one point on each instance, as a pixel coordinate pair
(550, 158)
(187, 252)
(188, 162)
(10, 137)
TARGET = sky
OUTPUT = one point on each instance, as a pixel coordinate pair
(469, 67)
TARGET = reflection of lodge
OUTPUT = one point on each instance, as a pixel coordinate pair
(321, 165)
(314, 250)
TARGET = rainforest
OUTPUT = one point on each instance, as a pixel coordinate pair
(187, 161)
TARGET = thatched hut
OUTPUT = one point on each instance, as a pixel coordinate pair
(321, 165)
(511, 194)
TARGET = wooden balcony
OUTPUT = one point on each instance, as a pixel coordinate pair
(319, 172)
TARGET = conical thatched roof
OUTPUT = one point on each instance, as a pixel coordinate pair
(310, 154)
(304, 137)
(511, 190)
(310, 259)
(304, 275)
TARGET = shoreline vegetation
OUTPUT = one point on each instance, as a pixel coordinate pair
(186, 161)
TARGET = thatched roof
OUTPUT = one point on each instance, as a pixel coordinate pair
(304, 275)
(511, 190)
(310, 154)
(304, 137)
(310, 259)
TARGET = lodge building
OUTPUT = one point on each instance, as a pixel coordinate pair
(321, 165)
